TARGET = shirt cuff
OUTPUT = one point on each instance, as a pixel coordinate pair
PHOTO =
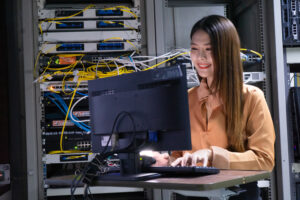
(220, 158)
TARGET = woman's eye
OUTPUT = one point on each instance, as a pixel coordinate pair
(194, 49)
(208, 49)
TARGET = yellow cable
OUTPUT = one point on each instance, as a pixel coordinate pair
(63, 81)
(153, 66)
(69, 55)
(112, 22)
(62, 132)
(52, 90)
(37, 58)
(62, 68)
(68, 151)
(52, 48)
(49, 63)
(252, 51)
(62, 18)
(113, 38)
(67, 17)
(122, 8)
(135, 16)
(132, 45)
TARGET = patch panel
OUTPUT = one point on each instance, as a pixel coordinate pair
(91, 47)
(76, 3)
(56, 158)
(69, 47)
(110, 24)
(111, 46)
(109, 13)
(90, 36)
(65, 13)
(69, 25)
(89, 14)
(78, 157)
(88, 25)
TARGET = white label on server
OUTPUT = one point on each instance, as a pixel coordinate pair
(104, 140)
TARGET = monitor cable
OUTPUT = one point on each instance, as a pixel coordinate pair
(98, 165)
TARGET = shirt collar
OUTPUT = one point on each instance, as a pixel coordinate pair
(204, 94)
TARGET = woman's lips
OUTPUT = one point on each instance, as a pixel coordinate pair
(203, 66)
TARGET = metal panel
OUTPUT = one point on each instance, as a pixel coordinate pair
(150, 25)
(89, 36)
(94, 190)
(173, 25)
(159, 27)
(87, 14)
(293, 55)
(180, 3)
(30, 112)
(186, 17)
(91, 24)
(275, 59)
(92, 47)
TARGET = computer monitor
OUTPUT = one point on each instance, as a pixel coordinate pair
(143, 110)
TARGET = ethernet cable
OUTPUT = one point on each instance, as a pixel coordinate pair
(71, 110)
(63, 108)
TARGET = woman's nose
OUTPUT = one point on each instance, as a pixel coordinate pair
(201, 54)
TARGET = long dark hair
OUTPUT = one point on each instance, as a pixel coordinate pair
(228, 73)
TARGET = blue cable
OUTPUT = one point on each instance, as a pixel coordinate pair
(77, 92)
(64, 111)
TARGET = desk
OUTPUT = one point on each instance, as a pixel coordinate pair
(212, 185)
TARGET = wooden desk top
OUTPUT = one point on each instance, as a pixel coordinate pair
(226, 178)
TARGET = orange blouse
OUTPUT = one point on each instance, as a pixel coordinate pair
(207, 120)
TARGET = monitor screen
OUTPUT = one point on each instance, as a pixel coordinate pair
(147, 108)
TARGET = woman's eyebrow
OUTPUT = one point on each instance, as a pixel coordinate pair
(206, 44)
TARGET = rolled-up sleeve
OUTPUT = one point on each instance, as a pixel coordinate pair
(260, 139)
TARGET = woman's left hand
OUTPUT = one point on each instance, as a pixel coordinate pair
(202, 155)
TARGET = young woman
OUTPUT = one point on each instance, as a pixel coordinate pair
(231, 126)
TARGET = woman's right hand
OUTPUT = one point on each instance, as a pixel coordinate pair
(161, 159)
(203, 155)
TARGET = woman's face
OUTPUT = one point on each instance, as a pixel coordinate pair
(201, 55)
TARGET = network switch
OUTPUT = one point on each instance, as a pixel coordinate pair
(72, 140)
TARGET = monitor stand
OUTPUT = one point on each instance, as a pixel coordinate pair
(130, 170)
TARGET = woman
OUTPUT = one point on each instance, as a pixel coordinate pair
(231, 126)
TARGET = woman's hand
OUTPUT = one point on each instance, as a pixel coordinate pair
(202, 155)
(161, 159)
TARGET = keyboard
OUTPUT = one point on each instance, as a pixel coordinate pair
(183, 170)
